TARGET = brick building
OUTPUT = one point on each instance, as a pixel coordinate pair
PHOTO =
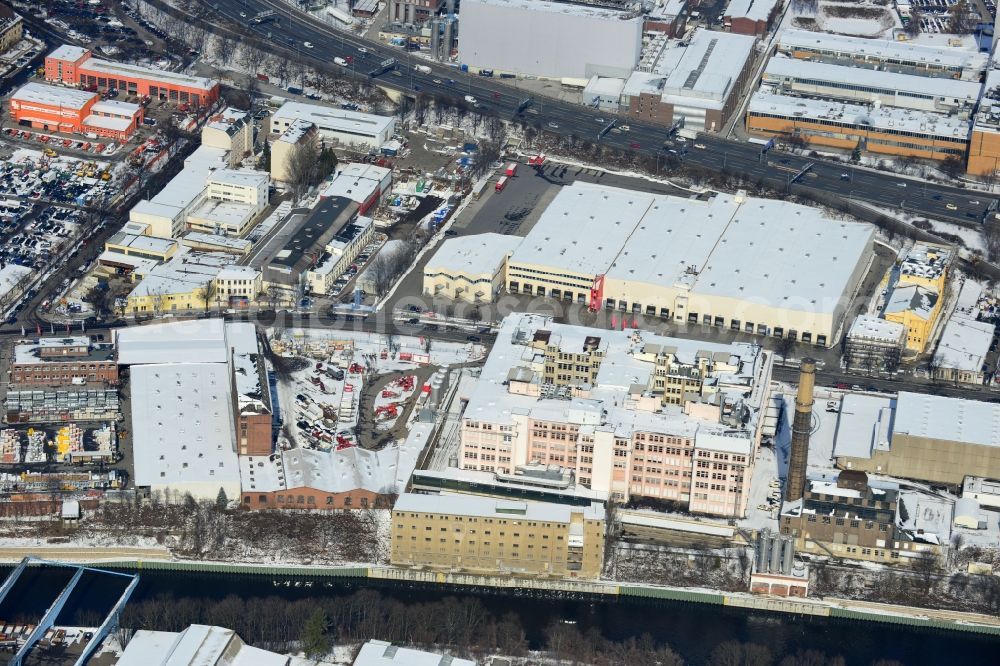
(57, 361)
(76, 66)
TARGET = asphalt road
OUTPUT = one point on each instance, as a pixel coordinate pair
(294, 29)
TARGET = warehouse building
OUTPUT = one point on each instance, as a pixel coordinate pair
(337, 127)
(383, 653)
(697, 81)
(76, 66)
(55, 109)
(549, 39)
(469, 268)
(334, 221)
(675, 258)
(669, 18)
(883, 54)
(933, 438)
(364, 184)
(490, 536)
(750, 17)
(606, 404)
(868, 86)
(183, 434)
(876, 130)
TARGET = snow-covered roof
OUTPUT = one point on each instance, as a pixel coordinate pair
(115, 107)
(864, 424)
(557, 8)
(489, 507)
(928, 516)
(849, 115)
(925, 260)
(68, 52)
(383, 653)
(951, 419)
(39, 93)
(331, 119)
(912, 298)
(182, 424)
(876, 81)
(871, 328)
(296, 131)
(480, 254)
(11, 275)
(882, 50)
(755, 10)
(705, 71)
(99, 66)
(964, 344)
(227, 242)
(194, 341)
(239, 177)
(113, 123)
(198, 645)
(605, 86)
(142, 243)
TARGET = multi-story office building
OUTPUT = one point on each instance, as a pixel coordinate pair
(883, 54)
(877, 130)
(631, 414)
(485, 535)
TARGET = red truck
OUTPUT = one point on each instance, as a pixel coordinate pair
(502, 183)
(510, 170)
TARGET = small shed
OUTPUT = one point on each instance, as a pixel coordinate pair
(969, 515)
(70, 510)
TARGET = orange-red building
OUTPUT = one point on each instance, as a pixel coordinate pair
(55, 109)
(76, 66)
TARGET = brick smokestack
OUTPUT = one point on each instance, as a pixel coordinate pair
(801, 429)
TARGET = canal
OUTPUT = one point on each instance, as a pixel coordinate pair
(691, 629)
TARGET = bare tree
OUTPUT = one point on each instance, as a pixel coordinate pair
(303, 170)
(224, 48)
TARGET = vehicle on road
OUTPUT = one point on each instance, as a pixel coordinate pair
(470, 99)
(951, 206)
(422, 68)
(362, 49)
(598, 120)
(624, 128)
(900, 184)
(699, 146)
(450, 232)
(340, 61)
(437, 82)
(473, 338)
(501, 184)
(845, 176)
(553, 126)
(451, 82)
(243, 14)
(308, 45)
(635, 145)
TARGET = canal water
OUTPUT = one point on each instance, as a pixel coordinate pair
(691, 629)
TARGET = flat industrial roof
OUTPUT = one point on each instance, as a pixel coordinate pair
(951, 419)
(113, 123)
(964, 344)
(182, 423)
(98, 65)
(68, 52)
(472, 255)
(331, 119)
(813, 70)
(583, 229)
(487, 507)
(239, 177)
(227, 242)
(756, 10)
(557, 8)
(143, 243)
(883, 49)
(869, 327)
(187, 185)
(883, 118)
(864, 423)
(115, 107)
(39, 93)
(707, 68)
(329, 212)
(224, 213)
(383, 653)
(791, 255)
(195, 341)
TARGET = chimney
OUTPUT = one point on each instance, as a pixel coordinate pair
(801, 428)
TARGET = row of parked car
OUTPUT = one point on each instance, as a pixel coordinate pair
(58, 180)
(353, 269)
(93, 147)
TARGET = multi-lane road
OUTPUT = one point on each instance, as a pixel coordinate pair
(294, 29)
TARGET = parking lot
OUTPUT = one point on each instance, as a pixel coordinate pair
(54, 178)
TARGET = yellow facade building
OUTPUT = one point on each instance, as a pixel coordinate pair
(491, 536)
(918, 296)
